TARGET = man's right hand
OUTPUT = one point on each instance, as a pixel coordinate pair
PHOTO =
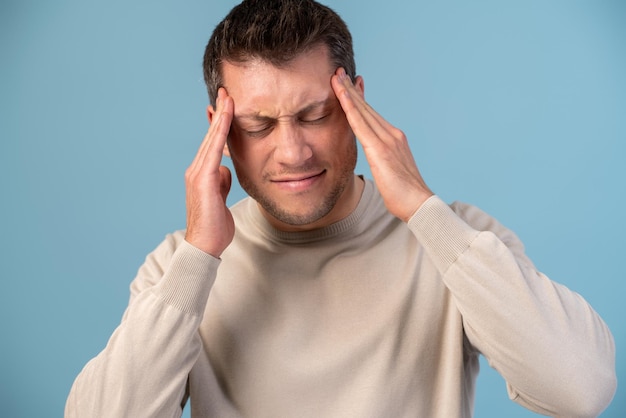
(210, 225)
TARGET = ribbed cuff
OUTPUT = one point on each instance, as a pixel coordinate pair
(188, 281)
(444, 235)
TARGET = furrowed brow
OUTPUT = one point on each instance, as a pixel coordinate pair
(316, 106)
(258, 117)
(254, 117)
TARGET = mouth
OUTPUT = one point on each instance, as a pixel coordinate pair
(298, 182)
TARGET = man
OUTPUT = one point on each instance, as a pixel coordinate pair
(324, 294)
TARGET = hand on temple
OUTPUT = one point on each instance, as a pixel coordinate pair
(210, 225)
(386, 149)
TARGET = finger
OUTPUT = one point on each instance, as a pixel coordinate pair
(212, 147)
(355, 95)
(217, 140)
(215, 121)
(366, 123)
(361, 110)
(202, 150)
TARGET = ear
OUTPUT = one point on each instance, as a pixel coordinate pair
(210, 114)
(360, 85)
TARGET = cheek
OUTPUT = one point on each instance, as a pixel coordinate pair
(341, 126)
(239, 149)
(341, 135)
(246, 155)
(236, 150)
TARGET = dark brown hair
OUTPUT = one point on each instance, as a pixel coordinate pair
(275, 31)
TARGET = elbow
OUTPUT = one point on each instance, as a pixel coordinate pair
(592, 395)
(582, 390)
(601, 397)
(590, 377)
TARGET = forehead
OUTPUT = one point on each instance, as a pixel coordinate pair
(258, 87)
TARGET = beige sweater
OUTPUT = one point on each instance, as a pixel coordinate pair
(369, 317)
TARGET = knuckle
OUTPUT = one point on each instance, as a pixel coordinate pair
(398, 134)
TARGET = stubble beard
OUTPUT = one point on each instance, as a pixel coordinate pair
(322, 208)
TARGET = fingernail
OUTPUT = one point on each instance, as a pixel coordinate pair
(342, 75)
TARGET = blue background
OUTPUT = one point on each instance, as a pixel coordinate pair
(518, 107)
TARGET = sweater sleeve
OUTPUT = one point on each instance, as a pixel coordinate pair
(143, 369)
(555, 353)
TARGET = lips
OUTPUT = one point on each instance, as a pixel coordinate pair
(299, 177)
(298, 182)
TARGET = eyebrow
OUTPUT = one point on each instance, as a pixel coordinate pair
(256, 116)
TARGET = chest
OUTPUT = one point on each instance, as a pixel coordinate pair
(343, 326)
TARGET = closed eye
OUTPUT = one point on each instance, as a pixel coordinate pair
(314, 120)
(258, 133)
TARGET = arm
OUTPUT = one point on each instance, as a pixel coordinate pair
(143, 369)
(553, 350)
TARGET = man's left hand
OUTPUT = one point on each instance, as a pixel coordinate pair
(386, 149)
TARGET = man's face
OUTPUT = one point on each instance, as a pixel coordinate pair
(290, 143)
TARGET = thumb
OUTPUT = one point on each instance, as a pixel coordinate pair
(226, 180)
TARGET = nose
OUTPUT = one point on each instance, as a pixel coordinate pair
(291, 147)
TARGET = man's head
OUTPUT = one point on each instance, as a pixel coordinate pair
(290, 142)
(275, 31)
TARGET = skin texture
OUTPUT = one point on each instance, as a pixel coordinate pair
(290, 143)
(387, 151)
(290, 132)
